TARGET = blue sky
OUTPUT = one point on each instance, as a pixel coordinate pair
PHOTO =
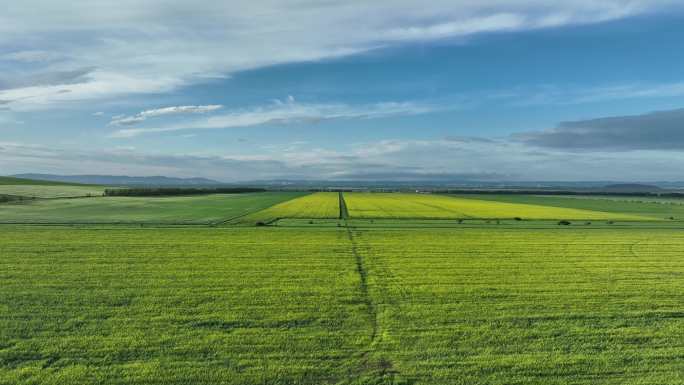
(488, 90)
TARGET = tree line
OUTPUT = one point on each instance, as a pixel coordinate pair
(170, 191)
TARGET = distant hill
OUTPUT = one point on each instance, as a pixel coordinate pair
(631, 188)
(8, 180)
(119, 180)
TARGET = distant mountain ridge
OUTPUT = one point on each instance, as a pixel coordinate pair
(122, 180)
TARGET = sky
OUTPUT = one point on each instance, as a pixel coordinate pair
(488, 90)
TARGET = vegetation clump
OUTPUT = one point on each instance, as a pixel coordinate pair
(8, 198)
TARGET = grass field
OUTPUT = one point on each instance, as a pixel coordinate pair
(341, 306)
(49, 191)
(46, 189)
(178, 306)
(8, 180)
(428, 206)
(659, 208)
(170, 210)
(318, 205)
(507, 307)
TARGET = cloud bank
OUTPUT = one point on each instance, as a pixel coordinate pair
(396, 160)
(662, 130)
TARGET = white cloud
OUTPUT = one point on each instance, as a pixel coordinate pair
(95, 85)
(282, 113)
(156, 46)
(174, 110)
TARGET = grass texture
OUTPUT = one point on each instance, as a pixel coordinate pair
(341, 306)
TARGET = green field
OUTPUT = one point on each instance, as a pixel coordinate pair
(341, 306)
(178, 306)
(8, 180)
(200, 209)
(46, 191)
(428, 206)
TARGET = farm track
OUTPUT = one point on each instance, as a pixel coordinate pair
(363, 283)
(381, 367)
(344, 213)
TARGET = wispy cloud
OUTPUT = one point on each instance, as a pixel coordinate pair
(44, 90)
(286, 112)
(174, 110)
(469, 26)
(46, 78)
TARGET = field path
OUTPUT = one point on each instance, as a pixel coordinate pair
(344, 213)
(363, 283)
(378, 368)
